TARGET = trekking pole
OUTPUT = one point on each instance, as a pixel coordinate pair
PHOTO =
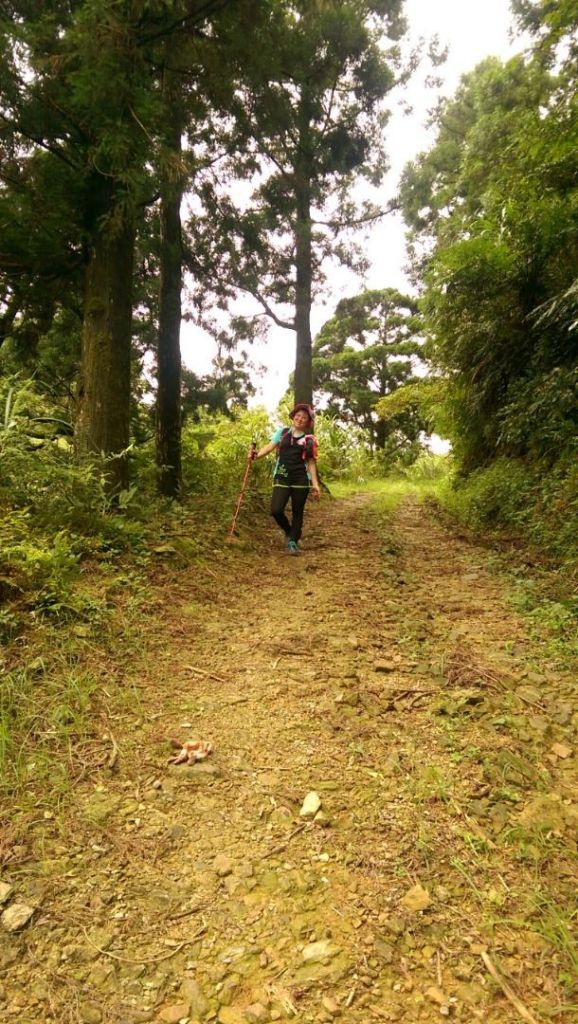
(250, 457)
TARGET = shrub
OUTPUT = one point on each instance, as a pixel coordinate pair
(539, 507)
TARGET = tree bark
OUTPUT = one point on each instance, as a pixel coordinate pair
(103, 421)
(11, 310)
(168, 434)
(168, 426)
(303, 257)
(302, 172)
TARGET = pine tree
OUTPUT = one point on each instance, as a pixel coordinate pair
(311, 109)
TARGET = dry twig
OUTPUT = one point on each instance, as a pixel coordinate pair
(508, 992)
(113, 756)
(143, 960)
(282, 846)
(208, 675)
(350, 997)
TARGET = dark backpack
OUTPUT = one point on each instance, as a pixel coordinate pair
(308, 443)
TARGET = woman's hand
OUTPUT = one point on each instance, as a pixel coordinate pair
(315, 492)
(265, 450)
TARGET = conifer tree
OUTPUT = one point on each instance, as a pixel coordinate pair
(366, 351)
(81, 89)
(312, 111)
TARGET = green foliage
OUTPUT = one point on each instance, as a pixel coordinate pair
(496, 197)
(494, 215)
(224, 391)
(53, 509)
(310, 112)
(426, 397)
(367, 351)
(41, 713)
(539, 504)
(344, 453)
(551, 400)
(427, 468)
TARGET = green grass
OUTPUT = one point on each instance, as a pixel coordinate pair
(388, 492)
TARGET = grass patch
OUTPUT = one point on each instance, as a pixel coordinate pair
(388, 492)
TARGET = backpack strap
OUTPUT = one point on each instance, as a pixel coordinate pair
(310, 447)
(307, 443)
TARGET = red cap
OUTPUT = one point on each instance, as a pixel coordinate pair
(303, 407)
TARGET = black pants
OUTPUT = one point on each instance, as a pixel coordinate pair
(281, 494)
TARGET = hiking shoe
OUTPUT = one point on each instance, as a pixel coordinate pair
(292, 548)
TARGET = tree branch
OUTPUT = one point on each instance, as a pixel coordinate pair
(18, 130)
(195, 17)
(336, 224)
(289, 325)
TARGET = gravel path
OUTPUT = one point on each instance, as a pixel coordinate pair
(385, 676)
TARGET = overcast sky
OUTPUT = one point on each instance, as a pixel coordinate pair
(471, 30)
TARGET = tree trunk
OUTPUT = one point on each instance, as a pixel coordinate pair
(303, 359)
(11, 310)
(303, 257)
(102, 425)
(168, 436)
(168, 433)
(380, 432)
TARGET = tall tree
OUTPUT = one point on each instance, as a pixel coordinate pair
(168, 425)
(79, 91)
(369, 349)
(81, 86)
(200, 72)
(493, 210)
(312, 104)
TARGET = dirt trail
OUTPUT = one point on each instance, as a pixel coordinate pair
(385, 671)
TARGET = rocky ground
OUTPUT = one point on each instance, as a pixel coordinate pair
(385, 830)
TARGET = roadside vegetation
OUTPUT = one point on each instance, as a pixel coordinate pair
(436, 602)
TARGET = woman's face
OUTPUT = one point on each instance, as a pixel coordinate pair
(300, 420)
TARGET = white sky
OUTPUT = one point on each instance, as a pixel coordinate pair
(471, 30)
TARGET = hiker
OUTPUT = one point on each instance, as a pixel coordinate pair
(295, 473)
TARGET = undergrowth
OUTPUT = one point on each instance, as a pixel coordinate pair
(513, 501)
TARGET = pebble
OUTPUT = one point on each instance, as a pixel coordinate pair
(416, 899)
(322, 820)
(173, 1014)
(384, 948)
(561, 750)
(5, 890)
(435, 995)
(222, 865)
(89, 1013)
(16, 916)
(311, 804)
(384, 665)
(197, 1003)
(329, 1004)
(322, 950)
(256, 1013)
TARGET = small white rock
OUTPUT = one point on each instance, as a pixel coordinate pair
(311, 805)
(314, 952)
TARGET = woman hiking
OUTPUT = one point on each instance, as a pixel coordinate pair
(295, 473)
